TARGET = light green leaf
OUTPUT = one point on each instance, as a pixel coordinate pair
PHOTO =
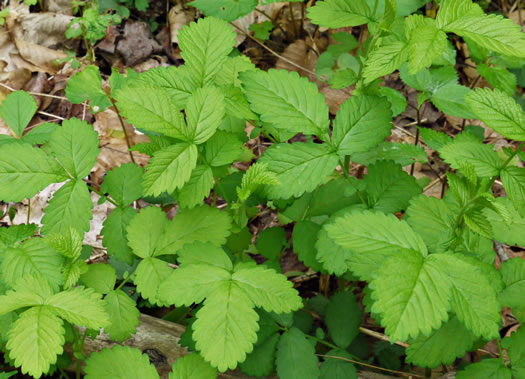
(513, 179)
(205, 46)
(385, 59)
(123, 313)
(267, 289)
(235, 103)
(145, 231)
(100, 276)
(450, 99)
(197, 188)
(452, 10)
(487, 368)
(477, 222)
(192, 366)
(204, 253)
(9, 236)
(26, 170)
(70, 207)
(499, 77)
(226, 326)
(287, 101)
(124, 183)
(428, 351)
(170, 168)
(361, 123)
(22, 298)
(150, 273)
(229, 73)
(119, 362)
(257, 175)
(40, 134)
(115, 234)
(202, 223)
(426, 44)
(333, 257)
(343, 318)
(228, 10)
(473, 297)
(389, 188)
(33, 257)
(69, 243)
(296, 357)
(397, 100)
(75, 145)
(493, 32)
(412, 295)
(32, 348)
(513, 273)
(505, 232)
(17, 110)
(483, 158)
(339, 13)
(152, 109)
(401, 153)
(87, 85)
(499, 111)
(299, 167)
(223, 149)
(80, 306)
(204, 112)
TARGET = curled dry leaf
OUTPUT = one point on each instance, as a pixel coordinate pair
(177, 18)
(45, 29)
(40, 56)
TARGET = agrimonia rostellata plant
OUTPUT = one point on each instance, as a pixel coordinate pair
(426, 264)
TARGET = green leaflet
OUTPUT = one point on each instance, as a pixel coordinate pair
(299, 167)
(426, 44)
(483, 158)
(385, 59)
(489, 368)
(192, 366)
(150, 273)
(17, 110)
(361, 123)
(499, 77)
(343, 318)
(145, 230)
(120, 362)
(513, 179)
(115, 234)
(229, 73)
(261, 361)
(339, 13)
(452, 10)
(223, 149)
(87, 85)
(197, 188)
(336, 368)
(513, 273)
(123, 313)
(296, 356)
(287, 101)
(101, 277)
(228, 10)
(124, 183)
(204, 112)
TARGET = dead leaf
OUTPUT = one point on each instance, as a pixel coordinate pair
(45, 29)
(138, 43)
(40, 56)
(60, 6)
(177, 18)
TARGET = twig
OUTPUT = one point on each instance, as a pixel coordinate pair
(123, 129)
(51, 115)
(381, 336)
(34, 93)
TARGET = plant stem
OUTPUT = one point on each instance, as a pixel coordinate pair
(292, 17)
(274, 22)
(125, 281)
(28, 210)
(500, 348)
(418, 119)
(123, 128)
(505, 164)
(332, 346)
(102, 195)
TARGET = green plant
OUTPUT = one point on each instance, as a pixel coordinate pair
(426, 264)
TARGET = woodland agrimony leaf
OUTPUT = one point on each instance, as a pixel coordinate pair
(304, 237)
(398, 102)
(261, 361)
(120, 362)
(205, 46)
(26, 170)
(29, 346)
(204, 112)
(296, 357)
(17, 110)
(236, 104)
(361, 123)
(513, 179)
(503, 231)
(401, 153)
(69, 243)
(257, 175)
(333, 257)
(70, 207)
(15, 233)
(287, 101)
(75, 145)
(197, 188)
(123, 313)
(192, 366)
(228, 10)
(124, 183)
(115, 234)
(499, 111)
(299, 167)
(337, 368)
(170, 168)
(204, 253)
(450, 99)
(87, 85)
(339, 13)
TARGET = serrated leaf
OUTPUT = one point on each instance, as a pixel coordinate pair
(450, 99)
(75, 145)
(398, 101)
(473, 297)
(26, 170)
(70, 207)
(228, 10)
(499, 77)
(267, 289)
(491, 31)
(296, 357)
(100, 276)
(192, 366)
(223, 148)
(204, 112)
(426, 44)
(339, 13)
(87, 85)
(336, 365)
(389, 188)
(170, 168)
(487, 368)
(17, 110)
(332, 256)
(428, 351)
(361, 123)
(257, 175)
(504, 232)
(145, 230)
(120, 362)
(150, 273)
(384, 60)
(513, 179)
(32, 348)
(205, 46)
(260, 361)
(299, 167)
(124, 183)
(343, 318)
(401, 153)
(152, 109)
(478, 223)
(226, 326)
(229, 74)
(235, 103)
(80, 306)
(287, 101)
(304, 237)
(115, 234)
(499, 111)
(204, 253)
(452, 10)
(15, 233)
(26, 297)
(485, 160)
(123, 313)
(202, 223)
(513, 273)
(197, 188)
(411, 294)
(33, 257)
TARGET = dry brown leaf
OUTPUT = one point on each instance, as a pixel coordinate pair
(44, 29)
(177, 18)
(60, 6)
(40, 56)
